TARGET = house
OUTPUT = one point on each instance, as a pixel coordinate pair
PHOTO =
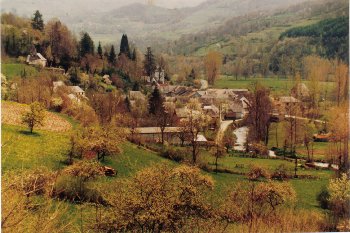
(245, 104)
(76, 90)
(323, 137)
(154, 134)
(155, 79)
(210, 96)
(56, 70)
(286, 102)
(159, 75)
(36, 59)
(180, 93)
(74, 98)
(301, 91)
(212, 111)
(234, 111)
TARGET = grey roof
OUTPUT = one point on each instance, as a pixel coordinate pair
(236, 107)
(76, 89)
(41, 57)
(201, 138)
(211, 110)
(222, 93)
(156, 130)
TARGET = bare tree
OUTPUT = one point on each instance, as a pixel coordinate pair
(195, 122)
(259, 108)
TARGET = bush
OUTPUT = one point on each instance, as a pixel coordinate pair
(256, 172)
(175, 154)
(281, 173)
(259, 149)
(75, 190)
(323, 198)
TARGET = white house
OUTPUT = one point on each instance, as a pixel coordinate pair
(36, 59)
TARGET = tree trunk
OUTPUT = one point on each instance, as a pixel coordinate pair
(194, 155)
(276, 135)
(308, 151)
(296, 166)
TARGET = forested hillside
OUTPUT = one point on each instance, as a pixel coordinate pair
(255, 44)
(331, 34)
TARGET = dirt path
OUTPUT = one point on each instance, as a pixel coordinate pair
(222, 129)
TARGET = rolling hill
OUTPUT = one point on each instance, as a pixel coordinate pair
(106, 20)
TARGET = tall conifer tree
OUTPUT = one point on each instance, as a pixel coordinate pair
(37, 21)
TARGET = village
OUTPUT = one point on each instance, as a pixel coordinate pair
(219, 104)
(237, 128)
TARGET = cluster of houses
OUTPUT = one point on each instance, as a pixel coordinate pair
(75, 92)
(219, 104)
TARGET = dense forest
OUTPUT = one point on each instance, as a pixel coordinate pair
(331, 34)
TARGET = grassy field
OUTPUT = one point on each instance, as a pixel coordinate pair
(12, 70)
(306, 189)
(28, 151)
(279, 86)
(49, 149)
(320, 148)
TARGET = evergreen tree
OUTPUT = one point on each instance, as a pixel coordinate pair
(112, 57)
(136, 86)
(134, 56)
(124, 46)
(149, 63)
(74, 76)
(86, 45)
(156, 102)
(192, 75)
(37, 21)
(99, 50)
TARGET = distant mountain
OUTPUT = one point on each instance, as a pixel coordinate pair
(105, 20)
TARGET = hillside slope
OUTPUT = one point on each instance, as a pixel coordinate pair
(11, 113)
(259, 28)
(106, 20)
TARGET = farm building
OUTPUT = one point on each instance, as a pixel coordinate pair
(36, 59)
(154, 135)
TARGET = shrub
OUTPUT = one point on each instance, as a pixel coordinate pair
(339, 196)
(258, 149)
(280, 173)
(256, 172)
(323, 197)
(56, 104)
(175, 154)
(73, 189)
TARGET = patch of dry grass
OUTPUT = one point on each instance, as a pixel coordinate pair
(11, 113)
